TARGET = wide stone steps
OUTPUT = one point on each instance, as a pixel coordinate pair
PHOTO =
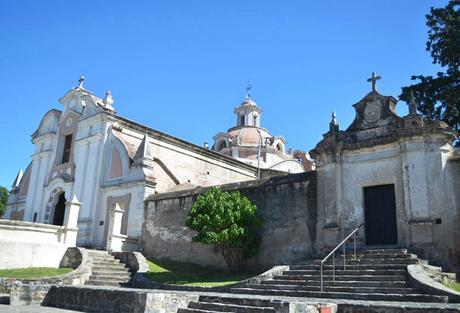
(375, 275)
(360, 289)
(108, 271)
(341, 271)
(351, 283)
(226, 307)
(344, 277)
(392, 261)
(234, 304)
(416, 297)
(339, 265)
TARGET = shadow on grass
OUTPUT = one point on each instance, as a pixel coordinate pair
(177, 273)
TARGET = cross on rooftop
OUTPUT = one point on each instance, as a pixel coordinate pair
(374, 78)
(248, 91)
(80, 81)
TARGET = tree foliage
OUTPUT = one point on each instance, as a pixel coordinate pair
(3, 199)
(227, 220)
(439, 97)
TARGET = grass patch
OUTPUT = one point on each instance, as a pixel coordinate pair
(177, 273)
(455, 286)
(34, 272)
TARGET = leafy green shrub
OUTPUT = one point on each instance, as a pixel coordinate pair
(228, 221)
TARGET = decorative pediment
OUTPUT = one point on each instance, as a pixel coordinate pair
(374, 110)
(48, 124)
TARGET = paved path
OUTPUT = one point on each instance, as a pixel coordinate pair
(31, 309)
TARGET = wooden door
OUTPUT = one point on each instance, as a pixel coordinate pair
(380, 215)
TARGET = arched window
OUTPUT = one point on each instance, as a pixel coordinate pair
(222, 145)
(279, 147)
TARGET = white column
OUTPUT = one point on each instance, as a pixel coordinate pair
(115, 238)
(70, 221)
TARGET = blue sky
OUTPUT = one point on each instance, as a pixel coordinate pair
(182, 66)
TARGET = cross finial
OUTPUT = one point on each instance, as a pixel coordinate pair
(80, 81)
(374, 78)
(248, 91)
(333, 125)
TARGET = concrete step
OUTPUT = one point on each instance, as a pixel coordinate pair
(339, 265)
(108, 262)
(327, 287)
(4, 298)
(345, 295)
(341, 271)
(227, 307)
(351, 255)
(351, 283)
(109, 267)
(111, 277)
(103, 283)
(187, 310)
(110, 272)
(383, 251)
(392, 261)
(270, 303)
(396, 308)
(344, 277)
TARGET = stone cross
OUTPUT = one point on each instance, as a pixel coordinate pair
(374, 78)
(80, 81)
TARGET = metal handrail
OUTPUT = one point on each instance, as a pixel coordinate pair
(353, 233)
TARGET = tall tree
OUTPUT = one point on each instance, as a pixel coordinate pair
(3, 199)
(228, 221)
(439, 97)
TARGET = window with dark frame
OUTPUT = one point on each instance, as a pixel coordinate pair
(241, 119)
(67, 148)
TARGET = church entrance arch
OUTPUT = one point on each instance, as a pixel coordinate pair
(380, 215)
(59, 210)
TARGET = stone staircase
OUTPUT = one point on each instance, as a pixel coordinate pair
(376, 275)
(107, 271)
(208, 304)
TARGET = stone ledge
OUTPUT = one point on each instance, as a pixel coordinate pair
(250, 184)
(428, 278)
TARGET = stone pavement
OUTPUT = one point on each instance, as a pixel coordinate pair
(31, 309)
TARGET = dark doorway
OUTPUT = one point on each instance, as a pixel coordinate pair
(380, 215)
(59, 210)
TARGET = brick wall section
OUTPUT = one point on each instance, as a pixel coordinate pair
(286, 203)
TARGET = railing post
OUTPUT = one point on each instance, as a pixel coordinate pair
(344, 257)
(321, 276)
(333, 266)
(354, 243)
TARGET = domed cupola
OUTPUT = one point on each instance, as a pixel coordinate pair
(248, 113)
(250, 143)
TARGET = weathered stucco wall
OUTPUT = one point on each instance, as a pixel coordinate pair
(286, 203)
(455, 166)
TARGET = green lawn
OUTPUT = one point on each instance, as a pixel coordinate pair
(454, 286)
(33, 272)
(177, 273)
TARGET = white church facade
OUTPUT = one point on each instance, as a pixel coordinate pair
(90, 152)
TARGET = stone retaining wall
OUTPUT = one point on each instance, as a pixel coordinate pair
(286, 203)
(76, 258)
